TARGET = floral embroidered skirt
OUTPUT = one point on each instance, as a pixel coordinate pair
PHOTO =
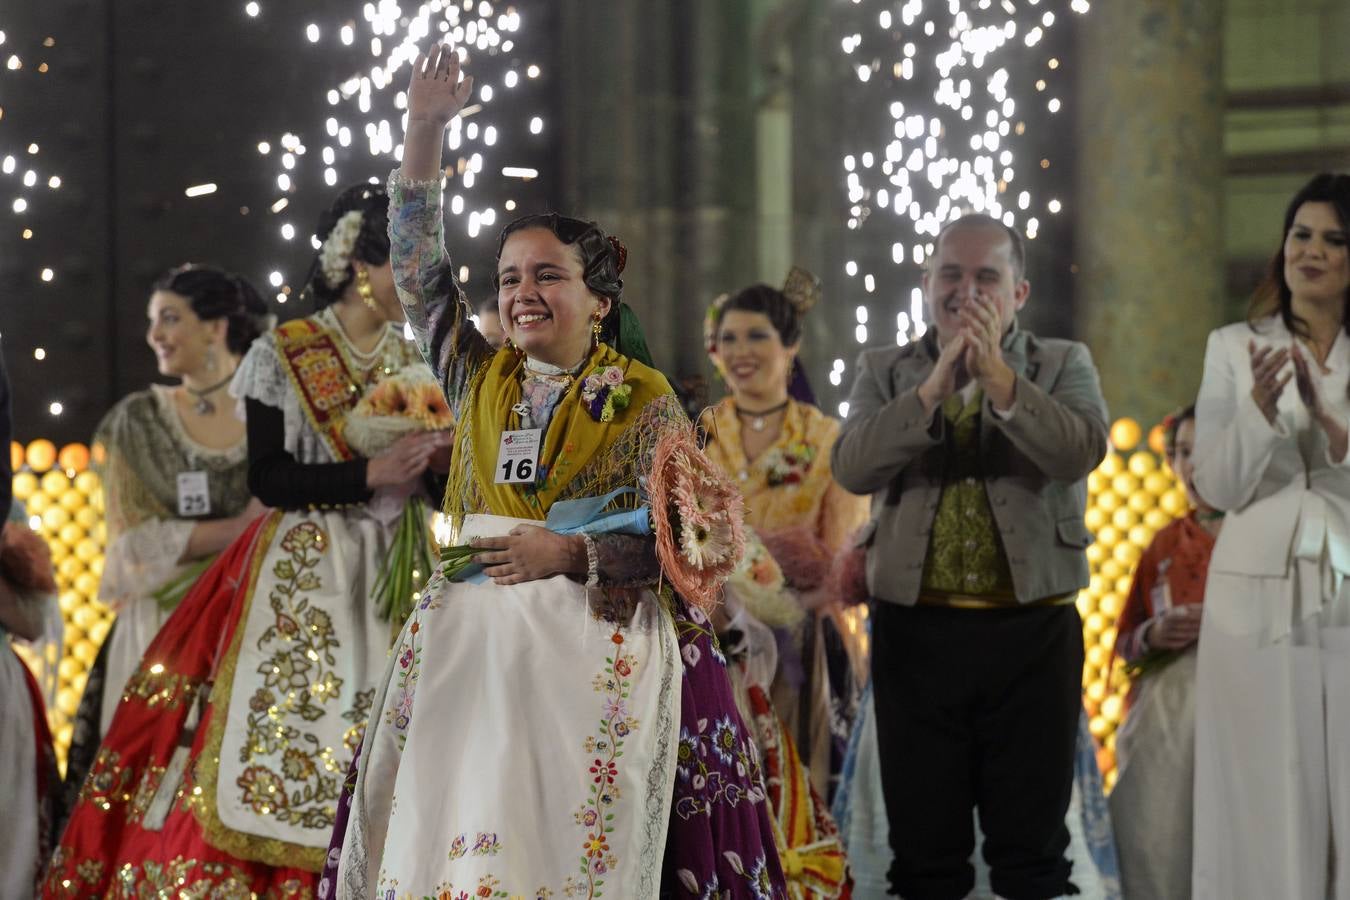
(264, 675)
(521, 746)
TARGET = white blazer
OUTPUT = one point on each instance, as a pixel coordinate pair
(1285, 497)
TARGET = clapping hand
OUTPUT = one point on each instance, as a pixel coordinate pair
(1267, 383)
(1309, 384)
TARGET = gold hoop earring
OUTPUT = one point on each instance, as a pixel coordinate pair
(366, 292)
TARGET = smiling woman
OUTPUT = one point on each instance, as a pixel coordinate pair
(609, 757)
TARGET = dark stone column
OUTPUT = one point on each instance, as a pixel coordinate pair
(1150, 241)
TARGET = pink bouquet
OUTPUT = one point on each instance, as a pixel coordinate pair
(698, 518)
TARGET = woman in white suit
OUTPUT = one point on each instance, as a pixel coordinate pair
(1272, 780)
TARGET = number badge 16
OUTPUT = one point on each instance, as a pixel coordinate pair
(518, 456)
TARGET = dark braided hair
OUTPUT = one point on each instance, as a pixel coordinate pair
(771, 302)
(216, 294)
(372, 242)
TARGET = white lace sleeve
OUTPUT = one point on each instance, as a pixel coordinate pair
(260, 376)
(142, 559)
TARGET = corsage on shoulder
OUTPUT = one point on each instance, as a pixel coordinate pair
(605, 393)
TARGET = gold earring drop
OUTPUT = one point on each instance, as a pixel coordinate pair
(595, 330)
(364, 289)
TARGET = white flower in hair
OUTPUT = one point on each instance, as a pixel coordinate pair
(335, 256)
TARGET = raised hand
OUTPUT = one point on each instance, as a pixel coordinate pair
(436, 93)
(1267, 383)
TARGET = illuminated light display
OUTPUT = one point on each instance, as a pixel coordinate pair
(945, 90)
(364, 114)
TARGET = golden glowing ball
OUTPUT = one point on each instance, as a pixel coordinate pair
(41, 455)
(1157, 439)
(1108, 501)
(99, 533)
(59, 550)
(1122, 586)
(1112, 465)
(86, 516)
(86, 583)
(1112, 708)
(1085, 603)
(1141, 536)
(68, 668)
(1157, 519)
(1124, 484)
(1142, 463)
(1125, 434)
(15, 456)
(69, 567)
(1096, 656)
(1124, 518)
(71, 533)
(85, 652)
(73, 500)
(24, 485)
(1097, 585)
(1094, 518)
(88, 549)
(67, 701)
(1158, 483)
(69, 601)
(1097, 482)
(98, 632)
(1110, 605)
(1096, 691)
(1093, 623)
(1174, 502)
(38, 503)
(1095, 553)
(1109, 635)
(96, 566)
(73, 457)
(1141, 501)
(85, 617)
(1126, 554)
(55, 483)
(1108, 537)
(1112, 569)
(54, 518)
(87, 482)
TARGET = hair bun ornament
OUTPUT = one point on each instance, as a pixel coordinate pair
(620, 253)
(802, 289)
(710, 320)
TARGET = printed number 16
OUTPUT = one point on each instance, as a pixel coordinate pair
(524, 469)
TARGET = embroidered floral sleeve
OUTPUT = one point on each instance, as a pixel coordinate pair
(424, 277)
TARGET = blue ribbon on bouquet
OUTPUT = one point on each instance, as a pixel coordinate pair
(585, 515)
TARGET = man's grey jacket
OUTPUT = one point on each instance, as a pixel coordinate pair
(1035, 463)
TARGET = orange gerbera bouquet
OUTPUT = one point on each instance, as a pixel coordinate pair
(406, 402)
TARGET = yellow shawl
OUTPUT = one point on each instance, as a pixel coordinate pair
(574, 437)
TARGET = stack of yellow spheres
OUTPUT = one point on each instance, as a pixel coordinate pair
(65, 506)
(1131, 496)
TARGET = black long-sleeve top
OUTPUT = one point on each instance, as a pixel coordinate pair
(275, 478)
